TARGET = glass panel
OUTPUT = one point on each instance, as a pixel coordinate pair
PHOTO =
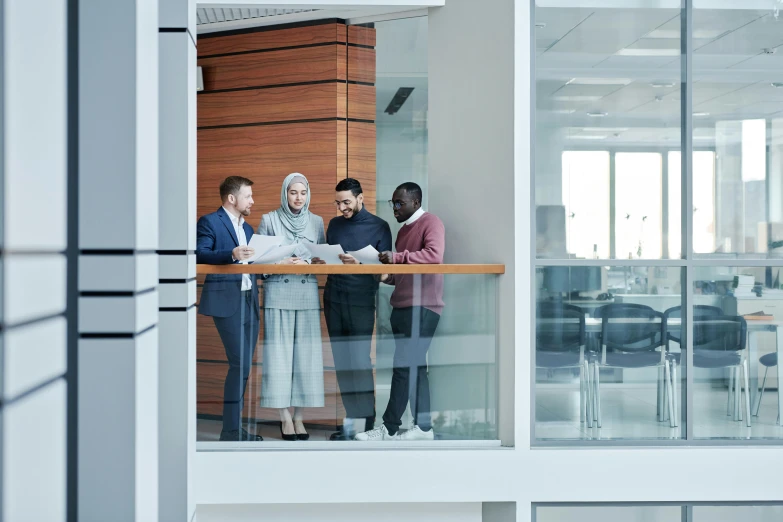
(402, 131)
(608, 514)
(426, 343)
(607, 106)
(622, 340)
(737, 99)
(732, 513)
(744, 339)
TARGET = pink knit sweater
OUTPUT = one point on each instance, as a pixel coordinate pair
(420, 243)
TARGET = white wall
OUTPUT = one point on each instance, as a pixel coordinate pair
(33, 181)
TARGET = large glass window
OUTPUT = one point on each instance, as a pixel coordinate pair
(656, 313)
(657, 513)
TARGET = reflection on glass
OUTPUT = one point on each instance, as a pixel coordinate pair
(732, 513)
(751, 297)
(607, 109)
(608, 513)
(603, 370)
(737, 99)
(457, 362)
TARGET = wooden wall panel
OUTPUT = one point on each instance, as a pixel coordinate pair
(276, 104)
(267, 154)
(361, 159)
(361, 65)
(271, 39)
(210, 378)
(361, 35)
(273, 68)
(361, 102)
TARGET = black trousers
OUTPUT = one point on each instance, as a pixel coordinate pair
(413, 330)
(239, 334)
(350, 333)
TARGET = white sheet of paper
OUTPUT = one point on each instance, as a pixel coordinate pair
(366, 256)
(277, 253)
(263, 244)
(328, 253)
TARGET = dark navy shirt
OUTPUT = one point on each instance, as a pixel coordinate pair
(353, 234)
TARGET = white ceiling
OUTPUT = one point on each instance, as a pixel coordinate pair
(625, 65)
(228, 14)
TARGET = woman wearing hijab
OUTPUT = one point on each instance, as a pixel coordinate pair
(293, 358)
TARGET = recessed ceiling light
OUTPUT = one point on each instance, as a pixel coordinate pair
(648, 52)
(604, 129)
(777, 85)
(588, 137)
(599, 81)
(597, 114)
(576, 98)
(700, 114)
(540, 25)
(662, 85)
(564, 111)
(769, 50)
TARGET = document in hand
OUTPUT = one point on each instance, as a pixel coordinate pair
(328, 253)
(366, 256)
(263, 244)
(278, 253)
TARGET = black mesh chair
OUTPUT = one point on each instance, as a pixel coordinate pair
(674, 334)
(632, 336)
(720, 342)
(560, 343)
(767, 361)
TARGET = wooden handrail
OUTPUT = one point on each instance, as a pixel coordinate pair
(350, 269)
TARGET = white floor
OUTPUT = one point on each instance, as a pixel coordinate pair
(629, 412)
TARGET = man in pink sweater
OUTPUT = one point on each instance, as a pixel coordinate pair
(417, 303)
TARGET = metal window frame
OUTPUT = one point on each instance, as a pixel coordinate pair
(688, 262)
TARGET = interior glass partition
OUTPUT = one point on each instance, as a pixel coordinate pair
(649, 512)
(653, 163)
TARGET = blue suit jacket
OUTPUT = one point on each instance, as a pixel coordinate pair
(215, 240)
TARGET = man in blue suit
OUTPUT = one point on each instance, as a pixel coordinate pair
(231, 299)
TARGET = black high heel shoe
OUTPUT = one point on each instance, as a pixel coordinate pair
(289, 437)
(301, 436)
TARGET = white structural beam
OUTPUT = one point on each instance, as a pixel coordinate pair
(118, 225)
(177, 263)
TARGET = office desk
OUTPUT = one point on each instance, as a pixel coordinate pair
(593, 325)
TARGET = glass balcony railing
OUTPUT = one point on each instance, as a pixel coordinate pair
(330, 353)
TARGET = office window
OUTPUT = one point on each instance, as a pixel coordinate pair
(638, 208)
(703, 202)
(586, 200)
(668, 512)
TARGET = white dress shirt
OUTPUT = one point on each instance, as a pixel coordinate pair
(416, 215)
(238, 222)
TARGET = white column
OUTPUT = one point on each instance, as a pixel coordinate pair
(177, 260)
(33, 181)
(471, 158)
(118, 265)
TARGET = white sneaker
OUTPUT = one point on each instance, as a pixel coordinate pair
(418, 434)
(379, 433)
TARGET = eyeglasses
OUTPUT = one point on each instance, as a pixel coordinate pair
(396, 205)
